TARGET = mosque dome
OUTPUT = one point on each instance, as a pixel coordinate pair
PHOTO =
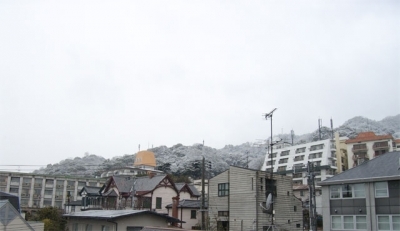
(145, 158)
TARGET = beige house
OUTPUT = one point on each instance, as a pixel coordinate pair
(368, 145)
(188, 211)
(237, 201)
(112, 220)
(11, 219)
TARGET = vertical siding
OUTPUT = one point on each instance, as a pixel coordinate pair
(217, 203)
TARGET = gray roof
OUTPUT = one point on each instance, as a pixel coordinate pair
(383, 167)
(144, 184)
(112, 214)
(188, 204)
(194, 190)
(91, 190)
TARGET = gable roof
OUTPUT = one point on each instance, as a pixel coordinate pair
(192, 190)
(383, 167)
(368, 136)
(8, 213)
(91, 190)
(113, 214)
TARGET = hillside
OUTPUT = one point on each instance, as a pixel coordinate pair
(180, 159)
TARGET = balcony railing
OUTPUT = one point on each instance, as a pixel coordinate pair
(359, 148)
(380, 145)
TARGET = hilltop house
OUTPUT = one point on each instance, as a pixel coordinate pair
(366, 197)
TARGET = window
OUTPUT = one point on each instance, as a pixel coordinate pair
(299, 158)
(88, 227)
(158, 202)
(300, 150)
(389, 222)
(193, 214)
(284, 160)
(347, 191)
(15, 179)
(223, 213)
(316, 147)
(105, 228)
(75, 227)
(273, 155)
(223, 189)
(381, 189)
(301, 193)
(294, 208)
(146, 202)
(349, 222)
(315, 155)
(285, 153)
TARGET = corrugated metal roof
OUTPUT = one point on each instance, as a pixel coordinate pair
(383, 167)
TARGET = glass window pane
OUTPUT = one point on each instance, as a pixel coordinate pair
(359, 190)
(396, 222)
(381, 189)
(383, 223)
(346, 191)
(348, 222)
(336, 222)
(361, 222)
(335, 191)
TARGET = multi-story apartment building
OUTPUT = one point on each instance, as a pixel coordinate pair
(37, 191)
(292, 160)
(367, 146)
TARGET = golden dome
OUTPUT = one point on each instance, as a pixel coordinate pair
(145, 158)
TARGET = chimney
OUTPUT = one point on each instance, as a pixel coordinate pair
(175, 203)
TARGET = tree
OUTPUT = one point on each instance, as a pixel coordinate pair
(52, 218)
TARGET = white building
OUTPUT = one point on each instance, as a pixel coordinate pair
(292, 160)
(37, 191)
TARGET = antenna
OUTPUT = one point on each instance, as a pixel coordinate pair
(332, 128)
(270, 190)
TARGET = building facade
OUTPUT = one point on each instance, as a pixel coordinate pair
(291, 160)
(366, 197)
(367, 146)
(37, 191)
(237, 201)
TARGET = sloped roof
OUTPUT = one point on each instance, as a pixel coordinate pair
(188, 204)
(123, 183)
(145, 184)
(6, 217)
(113, 214)
(383, 167)
(193, 190)
(368, 136)
(91, 190)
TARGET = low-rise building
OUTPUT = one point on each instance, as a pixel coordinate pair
(188, 211)
(238, 200)
(366, 197)
(129, 220)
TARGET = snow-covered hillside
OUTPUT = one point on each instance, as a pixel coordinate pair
(180, 158)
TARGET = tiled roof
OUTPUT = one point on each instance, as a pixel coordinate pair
(188, 204)
(368, 136)
(383, 167)
(112, 214)
(145, 184)
(397, 141)
(91, 190)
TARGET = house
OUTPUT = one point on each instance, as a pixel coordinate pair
(366, 146)
(151, 192)
(11, 219)
(189, 212)
(129, 220)
(238, 201)
(366, 197)
(302, 192)
(187, 191)
(91, 197)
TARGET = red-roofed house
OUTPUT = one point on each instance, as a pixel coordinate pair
(368, 145)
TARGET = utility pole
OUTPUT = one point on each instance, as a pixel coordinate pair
(272, 226)
(203, 170)
(311, 186)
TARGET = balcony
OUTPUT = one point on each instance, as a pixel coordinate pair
(59, 197)
(26, 185)
(381, 146)
(3, 183)
(359, 148)
(36, 196)
(37, 185)
(25, 195)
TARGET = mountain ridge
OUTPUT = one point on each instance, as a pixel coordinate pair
(180, 159)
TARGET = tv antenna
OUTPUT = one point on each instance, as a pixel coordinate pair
(269, 192)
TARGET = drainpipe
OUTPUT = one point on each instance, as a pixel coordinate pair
(116, 224)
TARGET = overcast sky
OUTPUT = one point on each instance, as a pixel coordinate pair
(105, 76)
